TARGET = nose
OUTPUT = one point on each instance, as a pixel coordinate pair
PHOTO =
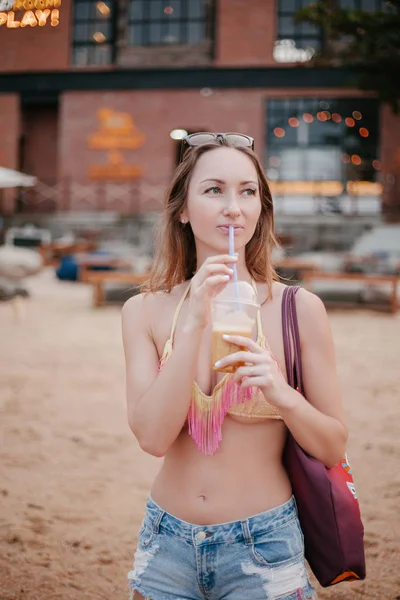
(232, 207)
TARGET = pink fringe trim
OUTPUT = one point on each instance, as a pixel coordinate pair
(206, 415)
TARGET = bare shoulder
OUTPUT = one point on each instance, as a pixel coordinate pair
(310, 307)
(135, 317)
(135, 306)
(141, 308)
(138, 303)
(277, 290)
(149, 309)
(312, 317)
(264, 293)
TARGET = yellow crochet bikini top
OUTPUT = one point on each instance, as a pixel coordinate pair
(206, 413)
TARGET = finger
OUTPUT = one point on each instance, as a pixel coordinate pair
(239, 340)
(248, 371)
(221, 258)
(232, 359)
(216, 269)
(212, 282)
(253, 381)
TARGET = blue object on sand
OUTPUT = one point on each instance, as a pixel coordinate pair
(68, 269)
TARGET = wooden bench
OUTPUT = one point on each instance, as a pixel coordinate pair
(85, 265)
(100, 278)
(309, 277)
(53, 252)
(300, 267)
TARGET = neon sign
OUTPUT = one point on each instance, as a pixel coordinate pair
(34, 12)
(116, 133)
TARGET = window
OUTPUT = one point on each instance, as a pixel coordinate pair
(161, 22)
(298, 42)
(93, 32)
(326, 149)
(323, 139)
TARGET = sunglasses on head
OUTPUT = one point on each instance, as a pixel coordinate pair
(205, 137)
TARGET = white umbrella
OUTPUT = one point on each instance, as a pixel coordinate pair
(17, 263)
(10, 178)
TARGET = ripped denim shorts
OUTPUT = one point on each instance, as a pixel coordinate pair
(259, 558)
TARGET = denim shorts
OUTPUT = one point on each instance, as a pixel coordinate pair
(259, 558)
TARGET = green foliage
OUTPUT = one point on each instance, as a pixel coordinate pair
(368, 42)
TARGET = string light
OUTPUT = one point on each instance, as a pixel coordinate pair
(364, 132)
(376, 164)
(99, 37)
(350, 122)
(103, 8)
(308, 118)
(293, 122)
(168, 10)
(336, 118)
(356, 160)
(345, 158)
(357, 115)
(279, 132)
(321, 116)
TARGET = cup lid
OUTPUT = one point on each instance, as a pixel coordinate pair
(238, 291)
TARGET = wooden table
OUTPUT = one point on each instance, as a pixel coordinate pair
(309, 277)
(100, 278)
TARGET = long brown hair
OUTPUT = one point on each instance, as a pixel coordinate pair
(175, 258)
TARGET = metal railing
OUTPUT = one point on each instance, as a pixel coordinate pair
(139, 196)
(67, 195)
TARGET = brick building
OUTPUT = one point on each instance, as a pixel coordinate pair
(93, 93)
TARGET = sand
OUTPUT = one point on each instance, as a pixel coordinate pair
(73, 480)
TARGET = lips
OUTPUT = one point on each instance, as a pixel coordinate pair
(227, 227)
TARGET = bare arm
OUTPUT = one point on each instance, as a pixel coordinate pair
(317, 423)
(158, 403)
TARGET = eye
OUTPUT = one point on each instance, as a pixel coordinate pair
(250, 192)
(214, 190)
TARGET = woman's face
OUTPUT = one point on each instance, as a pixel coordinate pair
(223, 191)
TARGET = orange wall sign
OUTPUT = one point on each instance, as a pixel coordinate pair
(30, 13)
(116, 132)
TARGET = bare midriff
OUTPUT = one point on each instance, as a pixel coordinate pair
(243, 478)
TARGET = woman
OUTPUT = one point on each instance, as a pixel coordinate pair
(223, 525)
